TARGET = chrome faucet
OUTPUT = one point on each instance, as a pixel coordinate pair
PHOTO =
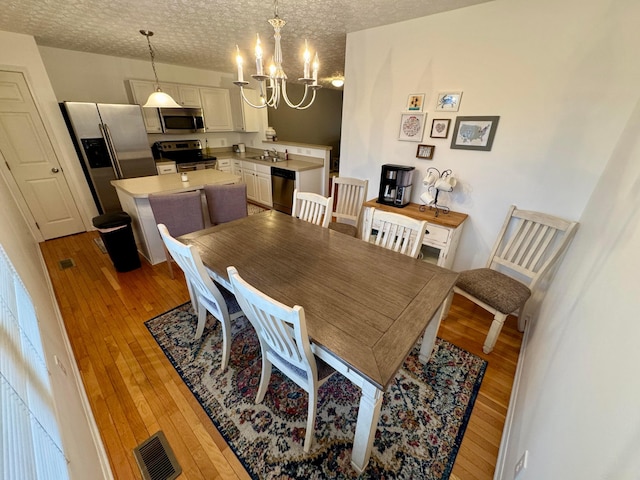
(274, 153)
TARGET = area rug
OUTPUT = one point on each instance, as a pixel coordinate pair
(424, 414)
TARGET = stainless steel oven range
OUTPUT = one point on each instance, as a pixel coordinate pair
(187, 154)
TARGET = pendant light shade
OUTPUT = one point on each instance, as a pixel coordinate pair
(157, 99)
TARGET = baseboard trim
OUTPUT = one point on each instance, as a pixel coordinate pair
(506, 431)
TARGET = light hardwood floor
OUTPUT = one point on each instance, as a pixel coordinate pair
(134, 391)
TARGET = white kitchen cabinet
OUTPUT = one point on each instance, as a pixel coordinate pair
(140, 90)
(236, 167)
(216, 107)
(249, 177)
(263, 187)
(166, 167)
(186, 95)
(224, 165)
(245, 117)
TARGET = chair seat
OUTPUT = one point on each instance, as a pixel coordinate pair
(494, 288)
(324, 369)
(344, 228)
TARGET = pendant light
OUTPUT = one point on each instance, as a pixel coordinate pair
(157, 99)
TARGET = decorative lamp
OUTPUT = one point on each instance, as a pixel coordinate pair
(157, 99)
(276, 89)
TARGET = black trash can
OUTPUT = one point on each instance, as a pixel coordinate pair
(117, 236)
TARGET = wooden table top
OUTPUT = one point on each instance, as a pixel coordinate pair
(364, 304)
(450, 219)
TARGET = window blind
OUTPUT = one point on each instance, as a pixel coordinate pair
(30, 443)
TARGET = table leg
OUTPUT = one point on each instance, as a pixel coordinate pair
(429, 337)
(366, 425)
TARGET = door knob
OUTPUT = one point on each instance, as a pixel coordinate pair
(55, 170)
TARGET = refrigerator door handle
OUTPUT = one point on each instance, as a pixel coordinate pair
(106, 134)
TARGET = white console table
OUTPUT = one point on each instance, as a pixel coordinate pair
(443, 232)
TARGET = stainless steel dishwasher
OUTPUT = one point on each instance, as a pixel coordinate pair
(282, 185)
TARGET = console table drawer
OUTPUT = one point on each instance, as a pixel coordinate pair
(436, 234)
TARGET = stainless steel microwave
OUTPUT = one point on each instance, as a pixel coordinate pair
(182, 120)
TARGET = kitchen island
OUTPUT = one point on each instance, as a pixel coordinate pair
(133, 194)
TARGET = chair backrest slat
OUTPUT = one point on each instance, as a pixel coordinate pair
(312, 208)
(350, 196)
(396, 232)
(530, 243)
(281, 327)
(188, 259)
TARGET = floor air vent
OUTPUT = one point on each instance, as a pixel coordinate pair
(156, 459)
(66, 263)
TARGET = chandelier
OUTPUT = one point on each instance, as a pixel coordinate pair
(157, 99)
(276, 89)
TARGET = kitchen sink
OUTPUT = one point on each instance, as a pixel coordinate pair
(267, 158)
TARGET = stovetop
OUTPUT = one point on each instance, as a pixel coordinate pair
(182, 151)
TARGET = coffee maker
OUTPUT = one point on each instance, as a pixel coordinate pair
(395, 185)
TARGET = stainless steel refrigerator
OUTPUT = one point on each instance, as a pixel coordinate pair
(111, 142)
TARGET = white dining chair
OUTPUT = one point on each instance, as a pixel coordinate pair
(181, 213)
(348, 195)
(205, 295)
(528, 246)
(284, 342)
(396, 232)
(312, 208)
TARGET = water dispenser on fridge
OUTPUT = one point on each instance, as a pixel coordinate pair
(396, 182)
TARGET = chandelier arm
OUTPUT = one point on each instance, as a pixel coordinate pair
(313, 97)
(248, 101)
(289, 102)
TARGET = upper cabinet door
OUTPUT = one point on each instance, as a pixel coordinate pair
(189, 96)
(216, 108)
(245, 117)
(140, 91)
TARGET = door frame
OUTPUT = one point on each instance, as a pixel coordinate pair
(82, 200)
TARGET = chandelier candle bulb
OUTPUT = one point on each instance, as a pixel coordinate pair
(316, 65)
(259, 67)
(307, 60)
(239, 63)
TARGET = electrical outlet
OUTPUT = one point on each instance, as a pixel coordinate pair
(223, 142)
(522, 464)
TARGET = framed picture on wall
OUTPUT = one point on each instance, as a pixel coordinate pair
(415, 102)
(448, 101)
(412, 126)
(440, 127)
(474, 133)
(425, 151)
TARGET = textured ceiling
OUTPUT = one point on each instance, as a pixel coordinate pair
(203, 33)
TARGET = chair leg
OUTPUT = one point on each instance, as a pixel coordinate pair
(169, 260)
(311, 419)
(264, 378)
(226, 343)
(202, 320)
(494, 331)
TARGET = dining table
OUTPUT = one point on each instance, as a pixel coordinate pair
(365, 306)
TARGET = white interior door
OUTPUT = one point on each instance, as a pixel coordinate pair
(29, 155)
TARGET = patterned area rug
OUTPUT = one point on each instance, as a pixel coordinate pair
(252, 209)
(424, 413)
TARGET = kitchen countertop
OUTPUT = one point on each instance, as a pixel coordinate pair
(141, 187)
(293, 164)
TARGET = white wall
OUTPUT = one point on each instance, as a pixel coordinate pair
(77, 425)
(577, 410)
(562, 76)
